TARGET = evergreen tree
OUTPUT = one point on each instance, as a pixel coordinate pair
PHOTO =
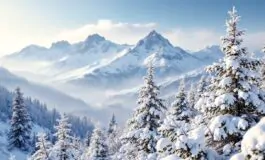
(113, 137)
(263, 71)
(234, 101)
(64, 148)
(141, 134)
(175, 130)
(177, 115)
(201, 87)
(19, 135)
(114, 143)
(43, 148)
(78, 147)
(98, 149)
(34, 140)
(87, 139)
(112, 124)
(192, 96)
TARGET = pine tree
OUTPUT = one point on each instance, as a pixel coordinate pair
(192, 96)
(78, 147)
(43, 148)
(253, 143)
(87, 139)
(178, 114)
(234, 101)
(114, 143)
(262, 70)
(113, 137)
(141, 134)
(112, 124)
(34, 140)
(175, 130)
(20, 131)
(98, 149)
(201, 87)
(64, 148)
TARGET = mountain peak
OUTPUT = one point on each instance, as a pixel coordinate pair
(153, 33)
(60, 44)
(95, 38)
(154, 39)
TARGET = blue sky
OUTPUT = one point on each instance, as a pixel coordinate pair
(45, 21)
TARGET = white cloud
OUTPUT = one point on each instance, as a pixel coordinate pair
(255, 40)
(193, 39)
(118, 32)
(196, 39)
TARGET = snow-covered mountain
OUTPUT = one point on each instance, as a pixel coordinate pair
(99, 62)
(88, 53)
(167, 59)
(63, 56)
(209, 54)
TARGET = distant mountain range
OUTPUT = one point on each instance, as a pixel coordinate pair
(102, 73)
(102, 63)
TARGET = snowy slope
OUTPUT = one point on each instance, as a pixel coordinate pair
(46, 94)
(168, 60)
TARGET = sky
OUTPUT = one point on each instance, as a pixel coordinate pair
(190, 24)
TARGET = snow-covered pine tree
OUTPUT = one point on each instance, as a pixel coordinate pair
(114, 143)
(63, 148)
(262, 70)
(234, 101)
(78, 147)
(253, 143)
(177, 115)
(113, 136)
(192, 96)
(19, 135)
(43, 148)
(201, 87)
(175, 130)
(98, 149)
(140, 137)
(112, 124)
(87, 139)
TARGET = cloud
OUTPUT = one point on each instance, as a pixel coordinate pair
(118, 32)
(196, 39)
(192, 39)
(255, 40)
